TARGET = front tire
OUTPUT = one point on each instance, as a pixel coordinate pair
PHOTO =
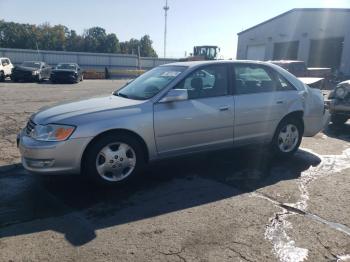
(338, 120)
(114, 159)
(39, 79)
(287, 138)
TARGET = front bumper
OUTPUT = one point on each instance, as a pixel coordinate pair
(63, 77)
(24, 77)
(50, 158)
(340, 107)
(314, 124)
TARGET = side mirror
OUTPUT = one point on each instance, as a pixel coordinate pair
(175, 95)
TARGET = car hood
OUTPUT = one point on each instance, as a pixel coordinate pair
(23, 68)
(64, 70)
(69, 112)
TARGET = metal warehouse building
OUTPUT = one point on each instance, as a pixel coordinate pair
(318, 36)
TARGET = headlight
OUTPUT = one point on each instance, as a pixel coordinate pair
(340, 92)
(36, 72)
(52, 132)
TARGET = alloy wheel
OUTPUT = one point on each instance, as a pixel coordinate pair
(288, 138)
(116, 161)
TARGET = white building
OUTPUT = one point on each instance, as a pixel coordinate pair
(318, 36)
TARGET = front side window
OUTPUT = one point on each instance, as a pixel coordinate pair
(151, 83)
(250, 79)
(210, 81)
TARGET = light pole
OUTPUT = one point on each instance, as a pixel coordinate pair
(166, 9)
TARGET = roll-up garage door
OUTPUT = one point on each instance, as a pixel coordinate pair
(256, 52)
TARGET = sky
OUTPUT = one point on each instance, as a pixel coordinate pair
(190, 22)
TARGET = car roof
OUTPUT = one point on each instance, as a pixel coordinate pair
(286, 61)
(33, 62)
(213, 62)
(66, 63)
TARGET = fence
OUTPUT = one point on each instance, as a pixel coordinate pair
(94, 61)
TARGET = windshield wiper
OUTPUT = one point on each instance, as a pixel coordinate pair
(122, 95)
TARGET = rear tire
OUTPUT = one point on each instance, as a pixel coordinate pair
(338, 120)
(113, 159)
(2, 76)
(287, 138)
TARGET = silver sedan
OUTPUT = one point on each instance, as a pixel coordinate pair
(172, 110)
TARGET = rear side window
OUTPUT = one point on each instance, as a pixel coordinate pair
(283, 84)
(250, 79)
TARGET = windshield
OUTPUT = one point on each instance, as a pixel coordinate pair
(150, 83)
(66, 66)
(31, 64)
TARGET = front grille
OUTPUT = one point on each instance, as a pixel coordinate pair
(30, 126)
(63, 74)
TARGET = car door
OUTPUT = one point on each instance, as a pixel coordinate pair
(7, 67)
(46, 70)
(259, 103)
(203, 121)
(10, 66)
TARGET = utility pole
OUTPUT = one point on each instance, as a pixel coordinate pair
(166, 9)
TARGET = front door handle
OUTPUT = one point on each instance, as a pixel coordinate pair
(280, 102)
(224, 108)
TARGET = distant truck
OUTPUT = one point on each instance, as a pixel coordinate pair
(203, 53)
(311, 76)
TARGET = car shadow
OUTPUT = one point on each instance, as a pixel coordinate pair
(340, 132)
(76, 208)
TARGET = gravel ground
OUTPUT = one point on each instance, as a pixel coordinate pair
(237, 205)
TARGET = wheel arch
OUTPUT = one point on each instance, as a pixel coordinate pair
(298, 114)
(116, 131)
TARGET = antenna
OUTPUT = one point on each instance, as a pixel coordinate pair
(166, 9)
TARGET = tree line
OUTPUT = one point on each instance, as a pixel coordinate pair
(61, 38)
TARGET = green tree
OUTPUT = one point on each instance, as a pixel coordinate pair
(59, 37)
(74, 42)
(146, 48)
(94, 39)
(111, 44)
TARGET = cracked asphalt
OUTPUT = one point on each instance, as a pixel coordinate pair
(233, 205)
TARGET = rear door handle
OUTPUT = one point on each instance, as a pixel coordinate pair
(224, 108)
(280, 102)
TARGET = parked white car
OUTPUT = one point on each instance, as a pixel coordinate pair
(5, 68)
